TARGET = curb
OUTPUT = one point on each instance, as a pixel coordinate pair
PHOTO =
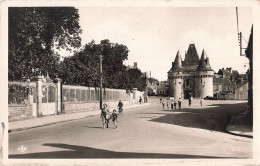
(236, 129)
(68, 120)
(47, 124)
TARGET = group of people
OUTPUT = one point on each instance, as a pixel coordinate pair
(106, 115)
(174, 103)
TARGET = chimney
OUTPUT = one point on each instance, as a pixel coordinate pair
(135, 65)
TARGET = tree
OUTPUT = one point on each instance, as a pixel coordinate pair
(153, 81)
(34, 33)
(137, 79)
(114, 72)
(84, 67)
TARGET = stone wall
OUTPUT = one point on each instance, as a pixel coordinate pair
(80, 107)
(178, 88)
(171, 84)
(88, 98)
(207, 90)
(230, 96)
(204, 84)
(241, 93)
(19, 112)
(65, 99)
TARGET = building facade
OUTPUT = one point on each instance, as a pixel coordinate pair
(241, 93)
(191, 77)
(227, 81)
(163, 88)
(152, 89)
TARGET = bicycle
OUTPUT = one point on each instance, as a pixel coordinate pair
(120, 110)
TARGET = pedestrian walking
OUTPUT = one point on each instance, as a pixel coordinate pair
(114, 118)
(104, 115)
(172, 104)
(179, 103)
(175, 104)
(189, 101)
(160, 100)
(163, 104)
(167, 104)
(201, 100)
(140, 100)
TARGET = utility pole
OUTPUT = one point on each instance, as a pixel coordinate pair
(249, 55)
(101, 78)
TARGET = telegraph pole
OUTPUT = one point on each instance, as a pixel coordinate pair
(101, 77)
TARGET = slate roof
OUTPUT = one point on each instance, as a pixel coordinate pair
(204, 63)
(191, 63)
(191, 57)
(177, 64)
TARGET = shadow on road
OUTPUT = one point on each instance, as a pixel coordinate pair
(216, 117)
(73, 151)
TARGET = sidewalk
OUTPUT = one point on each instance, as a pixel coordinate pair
(240, 125)
(53, 119)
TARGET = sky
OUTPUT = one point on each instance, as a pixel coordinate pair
(153, 35)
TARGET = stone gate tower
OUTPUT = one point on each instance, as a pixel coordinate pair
(204, 77)
(191, 77)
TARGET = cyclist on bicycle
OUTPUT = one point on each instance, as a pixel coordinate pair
(120, 106)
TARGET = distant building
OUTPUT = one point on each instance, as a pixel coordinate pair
(152, 89)
(228, 73)
(226, 82)
(163, 88)
(132, 67)
(241, 92)
(191, 77)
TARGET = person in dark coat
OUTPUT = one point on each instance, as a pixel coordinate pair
(175, 104)
(189, 101)
(163, 103)
(179, 103)
(172, 104)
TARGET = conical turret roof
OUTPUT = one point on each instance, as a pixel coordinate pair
(204, 63)
(203, 55)
(191, 57)
(177, 64)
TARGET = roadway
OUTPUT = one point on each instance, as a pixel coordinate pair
(144, 132)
